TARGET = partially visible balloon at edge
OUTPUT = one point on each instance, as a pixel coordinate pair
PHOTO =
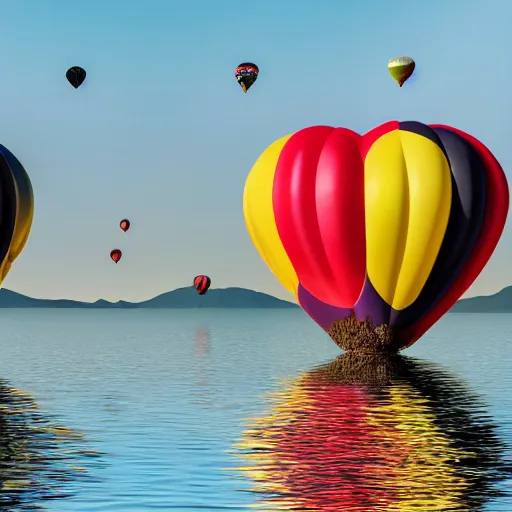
(401, 69)
(17, 209)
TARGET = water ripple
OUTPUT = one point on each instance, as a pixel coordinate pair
(39, 460)
(368, 435)
(165, 394)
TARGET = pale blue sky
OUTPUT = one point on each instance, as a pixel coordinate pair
(161, 133)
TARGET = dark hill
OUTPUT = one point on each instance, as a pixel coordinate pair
(236, 298)
(180, 298)
(500, 302)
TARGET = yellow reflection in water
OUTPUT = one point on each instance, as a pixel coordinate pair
(398, 435)
(37, 457)
(426, 479)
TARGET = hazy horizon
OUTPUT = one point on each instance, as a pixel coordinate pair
(148, 298)
(287, 299)
(162, 134)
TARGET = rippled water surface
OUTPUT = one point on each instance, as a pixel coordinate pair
(211, 410)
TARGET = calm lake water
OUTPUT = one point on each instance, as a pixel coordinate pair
(215, 410)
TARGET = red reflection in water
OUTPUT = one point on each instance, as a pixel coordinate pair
(399, 436)
(328, 455)
(202, 342)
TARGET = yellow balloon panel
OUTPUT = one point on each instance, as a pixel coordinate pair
(260, 218)
(407, 201)
(427, 453)
(400, 71)
(24, 216)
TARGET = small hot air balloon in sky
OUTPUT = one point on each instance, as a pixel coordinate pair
(76, 76)
(17, 209)
(376, 235)
(401, 68)
(125, 225)
(202, 284)
(116, 255)
(246, 74)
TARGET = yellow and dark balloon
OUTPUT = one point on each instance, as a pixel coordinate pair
(16, 209)
(390, 227)
(401, 69)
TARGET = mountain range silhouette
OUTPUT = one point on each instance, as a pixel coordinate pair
(236, 298)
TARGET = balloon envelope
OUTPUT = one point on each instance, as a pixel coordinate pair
(246, 74)
(202, 284)
(401, 68)
(378, 235)
(125, 225)
(116, 255)
(76, 76)
(16, 209)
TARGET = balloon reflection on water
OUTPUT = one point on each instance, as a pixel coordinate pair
(202, 344)
(405, 437)
(39, 459)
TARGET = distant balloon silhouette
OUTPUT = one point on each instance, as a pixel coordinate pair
(16, 209)
(116, 255)
(76, 76)
(125, 225)
(202, 284)
(376, 235)
(246, 74)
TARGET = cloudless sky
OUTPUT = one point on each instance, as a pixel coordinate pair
(161, 132)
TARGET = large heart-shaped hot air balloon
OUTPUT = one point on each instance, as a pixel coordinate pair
(376, 235)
